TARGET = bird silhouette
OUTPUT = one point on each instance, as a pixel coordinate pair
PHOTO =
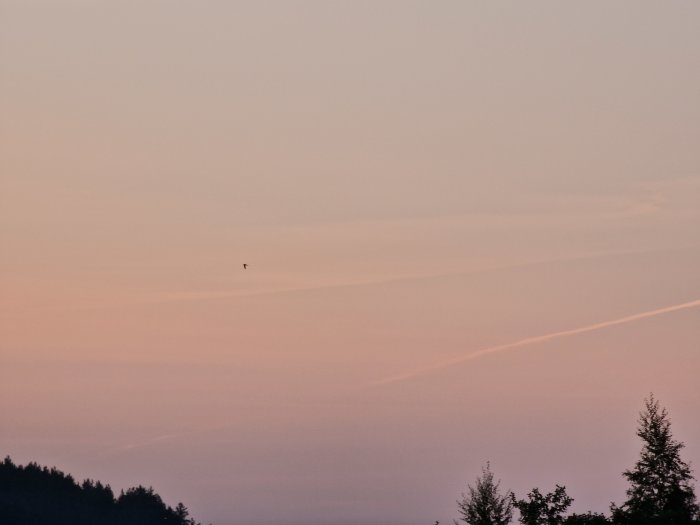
(245, 266)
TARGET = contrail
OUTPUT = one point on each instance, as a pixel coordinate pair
(536, 339)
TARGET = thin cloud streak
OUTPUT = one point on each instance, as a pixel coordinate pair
(182, 297)
(534, 340)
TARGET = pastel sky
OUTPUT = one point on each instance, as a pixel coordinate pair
(410, 183)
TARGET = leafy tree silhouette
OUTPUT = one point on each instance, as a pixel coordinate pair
(661, 490)
(586, 519)
(484, 505)
(541, 509)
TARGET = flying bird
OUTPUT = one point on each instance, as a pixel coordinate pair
(245, 266)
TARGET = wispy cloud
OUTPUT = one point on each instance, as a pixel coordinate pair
(534, 340)
(349, 283)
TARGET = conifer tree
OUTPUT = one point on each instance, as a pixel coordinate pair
(484, 505)
(661, 490)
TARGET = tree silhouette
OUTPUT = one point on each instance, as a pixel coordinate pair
(586, 519)
(661, 490)
(183, 513)
(34, 495)
(484, 505)
(541, 509)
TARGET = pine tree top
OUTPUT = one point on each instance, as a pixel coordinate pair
(660, 482)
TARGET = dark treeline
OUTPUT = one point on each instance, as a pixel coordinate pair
(35, 495)
(660, 489)
(660, 492)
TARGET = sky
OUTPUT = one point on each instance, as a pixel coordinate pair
(471, 231)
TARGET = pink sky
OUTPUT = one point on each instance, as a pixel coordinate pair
(410, 183)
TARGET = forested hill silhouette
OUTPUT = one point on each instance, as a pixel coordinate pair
(35, 495)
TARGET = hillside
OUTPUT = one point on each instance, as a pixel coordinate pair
(36, 495)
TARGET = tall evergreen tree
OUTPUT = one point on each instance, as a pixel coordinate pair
(661, 490)
(484, 504)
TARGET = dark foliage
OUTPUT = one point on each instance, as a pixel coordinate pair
(661, 490)
(35, 495)
(484, 504)
(539, 509)
(586, 519)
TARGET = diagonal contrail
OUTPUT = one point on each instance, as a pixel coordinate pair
(536, 339)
